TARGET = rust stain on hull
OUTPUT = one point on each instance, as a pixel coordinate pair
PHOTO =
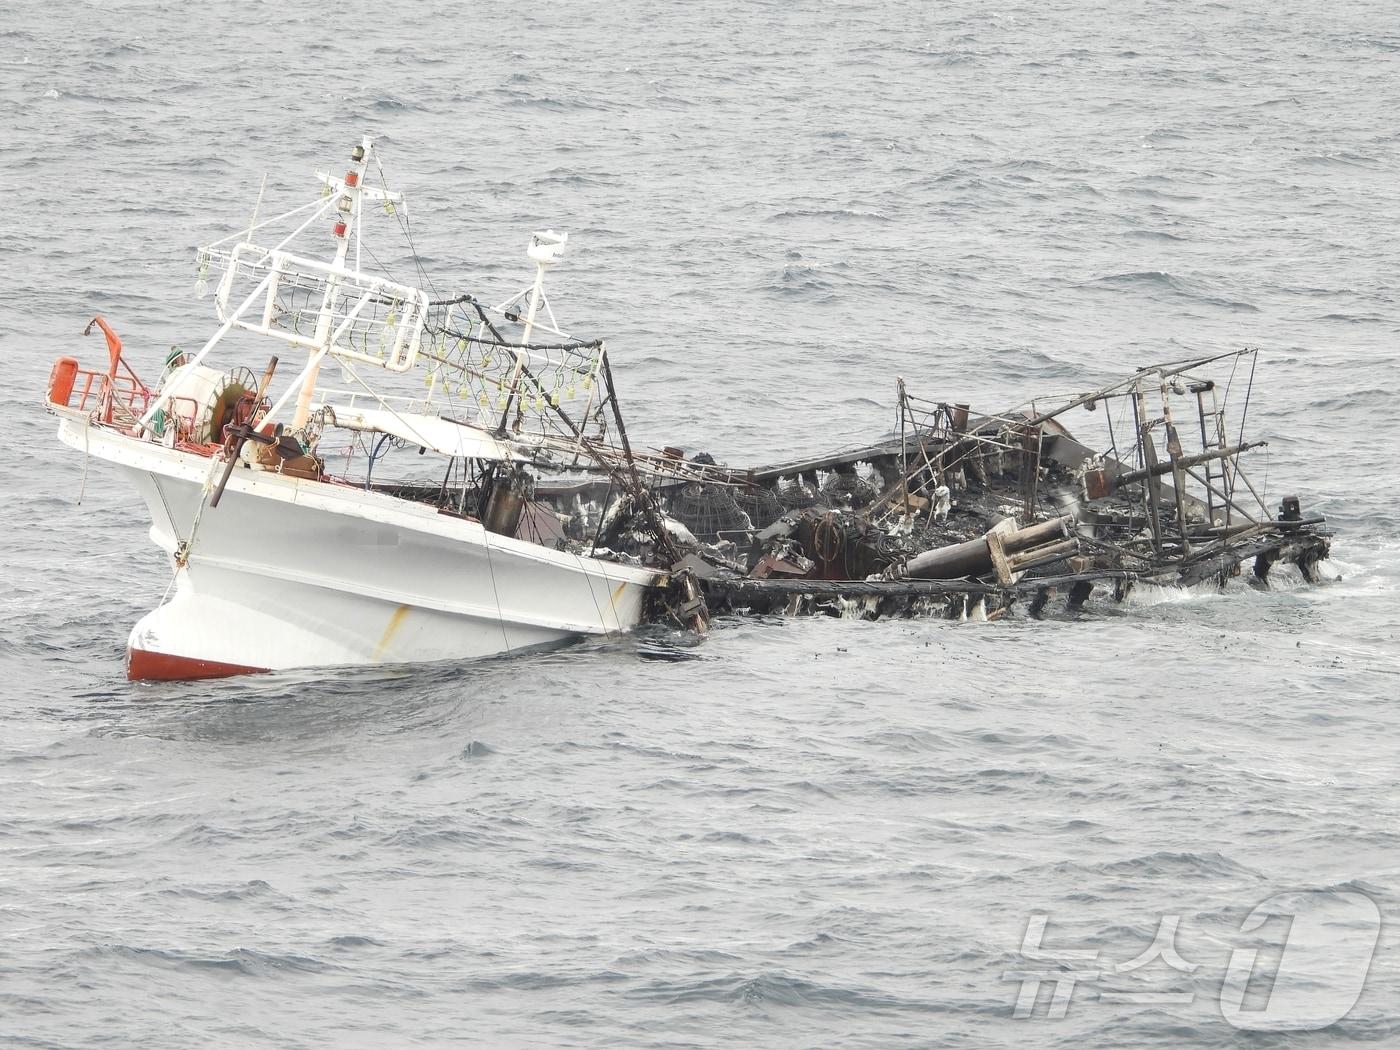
(390, 630)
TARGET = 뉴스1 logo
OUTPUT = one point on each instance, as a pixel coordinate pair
(1299, 964)
(1328, 942)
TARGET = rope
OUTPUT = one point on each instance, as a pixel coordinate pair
(375, 259)
(576, 344)
(1112, 437)
(1244, 412)
(491, 568)
(588, 579)
(205, 490)
(82, 485)
(402, 220)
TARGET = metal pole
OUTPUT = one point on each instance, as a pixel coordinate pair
(1149, 459)
(1174, 452)
(323, 322)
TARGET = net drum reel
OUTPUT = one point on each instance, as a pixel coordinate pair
(210, 400)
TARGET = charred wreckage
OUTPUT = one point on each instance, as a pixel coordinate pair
(962, 515)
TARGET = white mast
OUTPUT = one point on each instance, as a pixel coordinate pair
(348, 207)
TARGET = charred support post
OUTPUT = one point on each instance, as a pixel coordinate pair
(1178, 475)
(904, 452)
(1307, 565)
(1038, 603)
(1263, 562)
(1152, 498)
(1030, 471)
(1079, 594)
(1200, 390)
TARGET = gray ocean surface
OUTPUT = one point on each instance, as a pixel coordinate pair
(802, 832)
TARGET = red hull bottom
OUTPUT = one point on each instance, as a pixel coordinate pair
(145, 666)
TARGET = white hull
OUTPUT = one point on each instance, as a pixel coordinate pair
(287, 573)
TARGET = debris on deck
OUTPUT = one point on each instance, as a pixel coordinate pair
(966, 515)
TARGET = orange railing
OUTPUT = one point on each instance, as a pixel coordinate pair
(102, 392)
(116, 396)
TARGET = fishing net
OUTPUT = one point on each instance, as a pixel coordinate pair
(707, 510)
(762, 505)
(850, 489)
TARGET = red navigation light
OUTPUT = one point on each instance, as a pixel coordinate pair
(340, 228)
(352, 178)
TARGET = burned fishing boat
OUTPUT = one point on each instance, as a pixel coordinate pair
(443, 479)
